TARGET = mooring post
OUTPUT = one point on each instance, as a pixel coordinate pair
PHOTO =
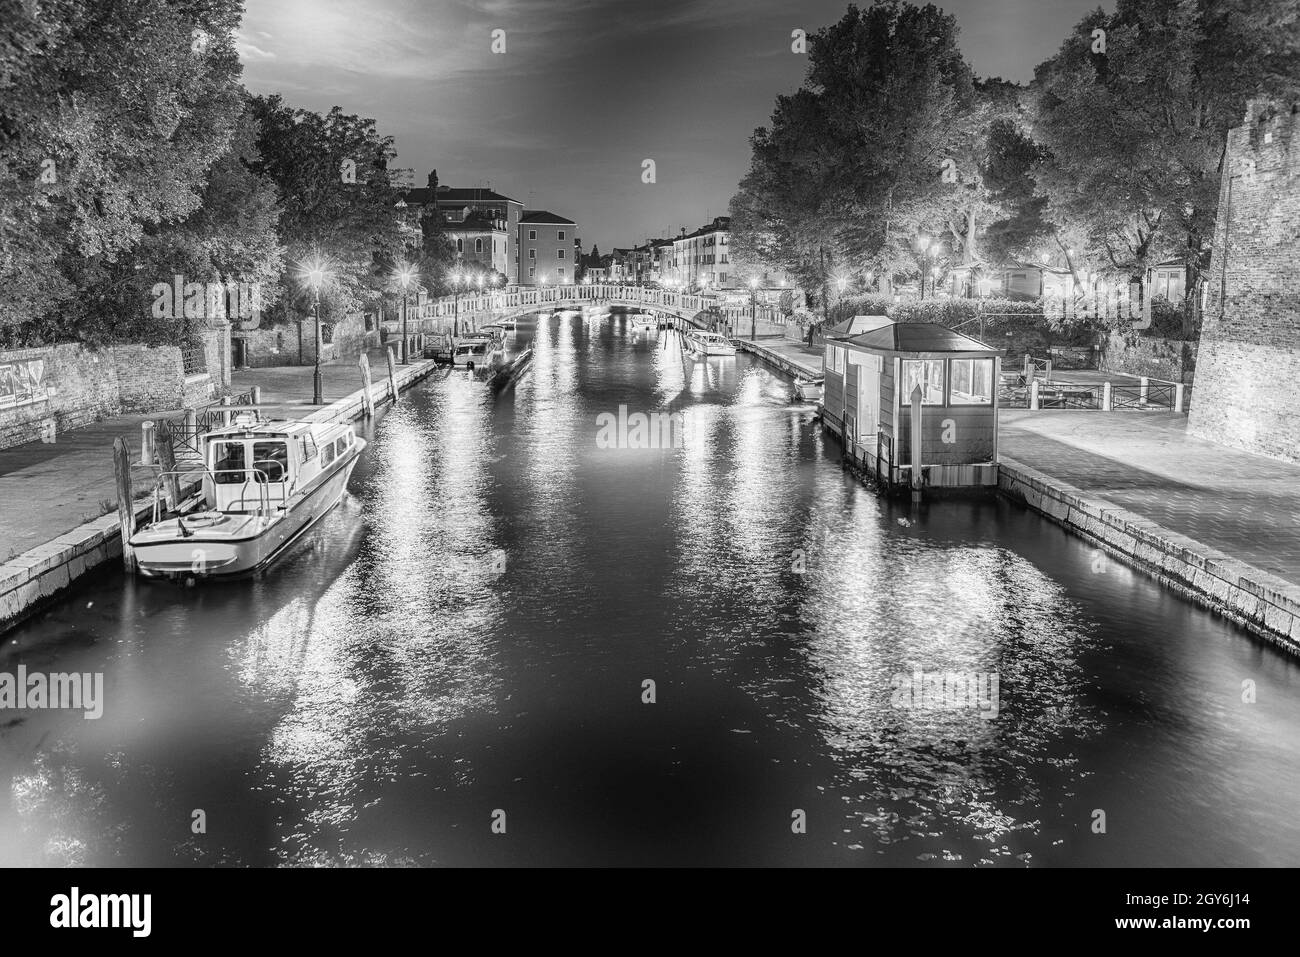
(257, 395)
(1178, 397)
(167, 463)
(1106, 397)
(917, 398)
(392, 374)
(367, 399)
(1033, 395)
(125, 512)
(148, 433)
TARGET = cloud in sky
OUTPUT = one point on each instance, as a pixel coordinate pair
(586, 90)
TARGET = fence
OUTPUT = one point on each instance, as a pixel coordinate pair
(1100, 395)
(186, 431)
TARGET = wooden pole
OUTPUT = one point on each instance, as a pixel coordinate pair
(392, 374)
(917, 398)
(125, 509)
(167, 462)
(148, 438)
(367, 399)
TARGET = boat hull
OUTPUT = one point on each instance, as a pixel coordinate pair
(163, 552)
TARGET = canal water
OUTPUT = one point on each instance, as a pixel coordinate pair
(465, 645)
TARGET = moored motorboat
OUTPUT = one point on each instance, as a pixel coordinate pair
(261, 487)
(808, 390)
(704, 343)
(642, 321)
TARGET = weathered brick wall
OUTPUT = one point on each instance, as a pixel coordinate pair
(1172, 359)
(1248, 370)
(279, 345)
(84, 385)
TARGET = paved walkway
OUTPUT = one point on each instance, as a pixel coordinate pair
(49, 489)
(1245, 505)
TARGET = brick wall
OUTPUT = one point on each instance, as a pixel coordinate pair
(1172, 359)
(278, 345)
(1248, 370)
(83, 385)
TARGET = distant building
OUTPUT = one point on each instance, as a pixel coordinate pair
(546, 248)
(463, 213)
(481, 239)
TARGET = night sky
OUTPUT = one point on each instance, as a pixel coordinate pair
(586, 89)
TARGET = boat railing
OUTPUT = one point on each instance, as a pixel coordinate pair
(254, 476)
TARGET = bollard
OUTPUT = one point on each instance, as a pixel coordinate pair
(125, 509)
(225, 416)
(392, 374)
(1142, 394)
(148, 435)
(191, 433)
(1105, 397)
(1178, 397)
(1033, 395)
(367, 397)
(257, 395)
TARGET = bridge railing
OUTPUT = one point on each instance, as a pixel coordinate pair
(679, 302)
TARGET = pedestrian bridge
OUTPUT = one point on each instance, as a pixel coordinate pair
(480, 308)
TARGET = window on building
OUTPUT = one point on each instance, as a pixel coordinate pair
(971, 382)
(560, 270)
(532, 234)
(532, 271)
(928, 374)
(834, 358)
(559, 254)
(532, 254)
(561, 236)
(460, 245)
(478, 245)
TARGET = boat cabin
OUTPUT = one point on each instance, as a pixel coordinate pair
(869, 380)
(256, 467)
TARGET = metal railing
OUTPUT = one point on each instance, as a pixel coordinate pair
(1102, 395)
(252, 476)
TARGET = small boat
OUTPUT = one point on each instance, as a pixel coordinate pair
(704, 343)
(808, 390)
(263, 485)
(639, 321)
(477, 350)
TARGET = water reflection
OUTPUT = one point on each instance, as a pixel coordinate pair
(475, 627)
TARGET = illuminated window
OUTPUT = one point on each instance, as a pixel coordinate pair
(972, 382)
(928, 374)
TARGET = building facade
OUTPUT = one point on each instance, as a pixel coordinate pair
(546, 248)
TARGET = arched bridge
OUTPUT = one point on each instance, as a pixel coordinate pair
(473, 310)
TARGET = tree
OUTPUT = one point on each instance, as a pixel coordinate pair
(111, 112)
(332, 180)
(1135, 125)
(852, 167)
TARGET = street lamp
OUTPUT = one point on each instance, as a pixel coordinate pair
(314, 273)
(404, 276)
(456, 279)
(923, 244)
(753, 308)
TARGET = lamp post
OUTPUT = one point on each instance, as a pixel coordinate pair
(314, 273)
(404, 276)
(753, 308)
(455, 316)
(923, 244)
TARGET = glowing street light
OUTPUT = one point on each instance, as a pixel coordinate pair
(314, 273)
(405, 276)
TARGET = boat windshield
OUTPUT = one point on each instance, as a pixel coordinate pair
(228, 463)
(271, 461)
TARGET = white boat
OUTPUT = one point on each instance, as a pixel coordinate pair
(639, 321)
(808, 390)
(263, 485)
(704, 343)
(477, 350)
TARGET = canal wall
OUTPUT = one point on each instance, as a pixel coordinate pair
(1259, 601)
(39, 576)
